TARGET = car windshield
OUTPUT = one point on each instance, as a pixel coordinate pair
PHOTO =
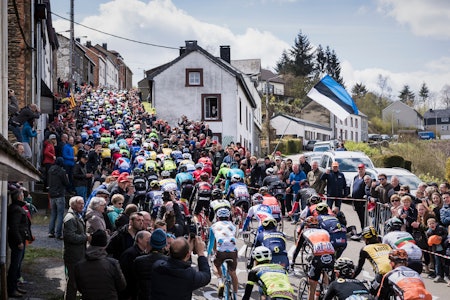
(321, 148)
(410, 180)
(350, 164)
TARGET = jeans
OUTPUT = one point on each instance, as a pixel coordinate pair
(81, 191)
(14, 267)
(337, 203)
(57, 206)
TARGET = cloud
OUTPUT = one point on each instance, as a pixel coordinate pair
(425, 18)
(161, 22)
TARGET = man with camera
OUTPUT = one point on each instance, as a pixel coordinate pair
(175, 278)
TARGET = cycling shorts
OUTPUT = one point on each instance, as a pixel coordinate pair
(222, 256)
(320, 263)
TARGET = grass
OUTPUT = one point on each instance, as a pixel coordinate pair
(33, 254)
(40, 219)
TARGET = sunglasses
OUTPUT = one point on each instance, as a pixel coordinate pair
(395, 201)
(381, 179)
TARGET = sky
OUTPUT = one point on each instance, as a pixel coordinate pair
(405, 41)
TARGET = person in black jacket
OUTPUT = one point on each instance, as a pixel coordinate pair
(58, 182)
(174, 278)
(81, 177)
(19, 231)
(143, 264)
(123, 238)
(336, 185)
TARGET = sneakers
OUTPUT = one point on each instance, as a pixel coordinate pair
(447, 279)
(431, 275)
(439, 279)
(220, 290)
(51, 235)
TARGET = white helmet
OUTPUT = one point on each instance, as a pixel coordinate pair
(269, 171)
(187, 156)
(262, 253)
(235, 178)
(223, 213)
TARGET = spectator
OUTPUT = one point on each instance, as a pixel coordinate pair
(98, 276)
(123, 187)
(143, 265)
(436, 205)
(27, 133)
(445, 210)
(395, 182)
(336, 185)
(381, 191)
(81, 178)
(229, 158)
(419, 233)
(49, 157)
(358, 193)
(13, 105)
(115, 209)
(444, 187)
(123, 238)
(305, 166)
(27, 113)
(75, 239)
(395, 205)
(141, 247)
(177, 271)
(313, 178)
(124, 218)
(58, 183)
(94, 215)
(19, 232)
(408, 213)
(256, 173)
(19, 148)
(69, 160)
(437, 235)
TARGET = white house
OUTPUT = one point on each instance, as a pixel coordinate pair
(208, 88)
(350, 129)
(308, 130)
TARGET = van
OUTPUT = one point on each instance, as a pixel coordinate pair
(426, 135)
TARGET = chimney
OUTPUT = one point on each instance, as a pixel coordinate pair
(191, 45)
(105, 46)
(182, 50)
(88, 44)
(225, 53)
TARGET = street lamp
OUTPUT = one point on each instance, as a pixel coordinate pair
(267, 112)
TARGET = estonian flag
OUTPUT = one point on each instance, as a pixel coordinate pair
(333, 97)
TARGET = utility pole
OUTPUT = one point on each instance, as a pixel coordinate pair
(267, 112)
(71, 42)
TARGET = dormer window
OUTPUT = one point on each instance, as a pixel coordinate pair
(194, 77)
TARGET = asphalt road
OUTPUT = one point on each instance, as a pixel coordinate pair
(438, 290)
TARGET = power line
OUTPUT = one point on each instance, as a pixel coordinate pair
(117, 36)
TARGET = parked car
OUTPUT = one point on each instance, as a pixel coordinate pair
(374, 137)
(385, 137)
(405, 177)
(325, 145)
(310, 145)
(348, 163)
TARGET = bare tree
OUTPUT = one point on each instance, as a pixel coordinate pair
(445, 96)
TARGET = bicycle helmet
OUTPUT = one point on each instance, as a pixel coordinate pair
(223, 165)
(393, 224)
(154, 184)
(263, 190)
(235, 178)
(217, 193)
(369, 233)
(269, 171)
(268, 222)
(198, 166)
(257, 198)
(345, 267)
(138, 172)
(223, 213)
(322, 208)
(261, 254)
(314, 199)
(182, 169)
(165, 174)
(398, 255)
(311, 222)
(186, 156)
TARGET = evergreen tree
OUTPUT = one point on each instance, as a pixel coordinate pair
(359, 90)
(424, 93)
(321, 61)
(302, 56)
(407, 96)
(284, 65)
(334, 67)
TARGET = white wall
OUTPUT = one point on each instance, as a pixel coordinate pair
(307, 132)
(349, 129)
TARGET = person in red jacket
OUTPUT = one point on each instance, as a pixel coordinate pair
(49, 157)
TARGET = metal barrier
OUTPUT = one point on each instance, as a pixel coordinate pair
(377, 216)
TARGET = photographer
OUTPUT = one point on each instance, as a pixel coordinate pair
(177, 271)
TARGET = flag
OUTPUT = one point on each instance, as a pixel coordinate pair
(333, 97)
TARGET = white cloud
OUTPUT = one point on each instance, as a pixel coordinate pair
(426, 18)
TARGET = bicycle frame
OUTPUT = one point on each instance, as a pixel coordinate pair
(228, 284)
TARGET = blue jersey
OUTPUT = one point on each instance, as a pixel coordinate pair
(230, 174)
(276, 242)
(184, 177)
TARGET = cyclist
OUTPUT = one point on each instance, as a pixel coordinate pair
(402, 282)
(322, 252)
(270, 178)
(201, 195)
(272, 202)
(274, 240)
(302, 199)
(239, 192)
(337, 231)
(398, 239)
(222, 174)
(271, 278)
(344, 287)
(258, 210)
(234, 170)
(167, 183)
(222, 237)
(377, 254)
(217, 203)
(184, 182)
(153, 199)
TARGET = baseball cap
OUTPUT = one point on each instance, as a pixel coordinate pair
(115, 173)
(123, 177)
(335, 164)
(361, 166)
(52, 136)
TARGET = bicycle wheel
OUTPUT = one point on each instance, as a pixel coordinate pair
(303, 289)
(306, 256)
(296, 231)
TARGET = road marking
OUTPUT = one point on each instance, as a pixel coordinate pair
(242, 251)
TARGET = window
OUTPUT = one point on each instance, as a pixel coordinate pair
(194, 77)
(240, 111)
(211, 107)
(356, 123)
(351, 122)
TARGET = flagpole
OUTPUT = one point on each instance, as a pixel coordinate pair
(281, 138)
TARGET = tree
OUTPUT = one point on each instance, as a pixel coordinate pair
(359, 90)
(302, 56)
(334, 67)
(283, 66)
(407, 96)
(321, 61)
(445, 96)
(424, 93)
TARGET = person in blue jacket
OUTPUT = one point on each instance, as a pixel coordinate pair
(336, 185)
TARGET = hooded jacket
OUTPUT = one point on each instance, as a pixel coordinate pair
(57, 181)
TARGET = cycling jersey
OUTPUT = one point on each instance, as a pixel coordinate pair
(183, 178)
(378, 256)
(338, 233)
(345, 289)
(123, 165)
(276, 242)
(273, 280)
(274, 205)
(168, 185)
(261, 212)
(223, 233)
(155, 201)
(403, 240)
(403, 283)
(216, 205)
(230, 174)
(222, 174)
(319, 239)
(238, 191)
